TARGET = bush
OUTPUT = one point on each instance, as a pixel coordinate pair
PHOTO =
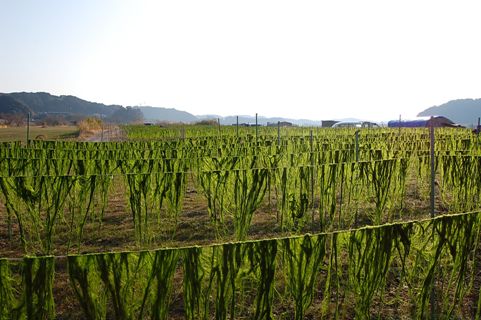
(208, 122)
(90, 124)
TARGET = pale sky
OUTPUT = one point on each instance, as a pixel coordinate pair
(300, 59)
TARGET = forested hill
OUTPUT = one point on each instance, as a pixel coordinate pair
(167, 114)
(462, 111)
(40, 104)
(9, 105)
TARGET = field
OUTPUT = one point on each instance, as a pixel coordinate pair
(204, 222)
(38, 132)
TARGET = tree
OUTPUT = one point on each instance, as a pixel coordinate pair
(127, 115)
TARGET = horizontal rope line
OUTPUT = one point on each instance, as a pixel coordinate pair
(399, 223)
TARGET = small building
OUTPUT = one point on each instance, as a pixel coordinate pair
(244, 124)
(437, 121)
(280, 124)
(328, 123)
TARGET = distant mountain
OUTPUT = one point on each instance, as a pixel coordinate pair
(462, 111)
(42, 102)
(154, 114)
(230, 120)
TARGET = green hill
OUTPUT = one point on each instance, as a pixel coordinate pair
(9, 105)
(42, 102)
(462, 111)
(167, 114)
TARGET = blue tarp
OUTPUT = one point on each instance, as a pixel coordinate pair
(408, 124)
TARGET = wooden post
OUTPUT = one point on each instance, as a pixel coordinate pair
(432, 141)
(278, 133)
(478, 128)
(431, 136)
(399, 125)
(257, 131)
(311, 141)
(237, 126)
(28, 129)
(357, 145)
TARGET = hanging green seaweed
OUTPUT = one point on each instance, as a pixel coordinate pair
(38, 277)
(37, 203)
(124, 285)
(370, 255)
(86, 283)
(248, 190)
(196, 300)
(294, 184)
(301, 259)
(6, 290)
(82, 205)
(263, 259)
(228, 264)
(328, 185)
(140, 195)
(158, 288)
(213, 177)
(32, 297)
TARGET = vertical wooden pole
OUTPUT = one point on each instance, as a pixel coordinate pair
(257, 130)
(478, 128)
(28, 129)
(311, 141)
(399, 125)
(278, 133)
(357, 145)
(432, 141)
(432, 163)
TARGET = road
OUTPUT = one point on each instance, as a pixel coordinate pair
(110, 134)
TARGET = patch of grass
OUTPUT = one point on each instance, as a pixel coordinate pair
(37, 132)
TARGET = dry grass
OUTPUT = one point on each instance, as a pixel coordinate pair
(38, 132)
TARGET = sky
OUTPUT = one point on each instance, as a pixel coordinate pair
(318, 60)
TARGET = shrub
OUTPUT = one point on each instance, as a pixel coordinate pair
(90, 124)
